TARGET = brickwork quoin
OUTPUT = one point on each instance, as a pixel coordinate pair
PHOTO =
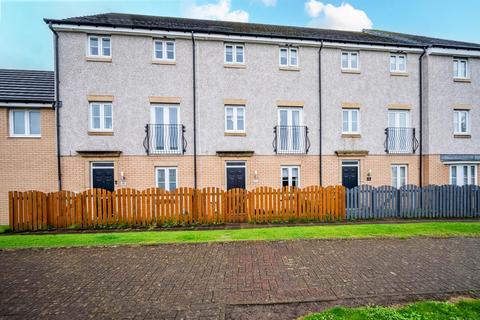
(33, 210)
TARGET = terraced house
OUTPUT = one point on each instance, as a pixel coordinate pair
(157, 101)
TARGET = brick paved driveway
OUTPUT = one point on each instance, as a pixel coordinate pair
(236, 280)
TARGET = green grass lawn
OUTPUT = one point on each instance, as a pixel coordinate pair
(463, 310)
(405, 230)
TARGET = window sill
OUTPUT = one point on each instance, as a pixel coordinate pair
(235, 134)
(399, 74)
(167, 62)
(24, 137)
(98, 59)
(466, 80)
(289, 68)
(462, 135)
(100, 133)
(351, 135)
(234, 65)
(353, 71)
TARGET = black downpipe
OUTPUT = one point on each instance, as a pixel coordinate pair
(194, 114)
(420, 64)
(57, 105)
(320, 111)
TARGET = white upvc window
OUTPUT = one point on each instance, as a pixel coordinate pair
(398, 63)
(25, 123)
(166, 178)
(290, 176)
(351, 121)
(234, 53)
(234, 118)
(399, 175)
(99, 46)
(288, 57)
(164, 50)
(461, 122)
(101, 116)
(463, 174)
(350, 60)
(460, 68)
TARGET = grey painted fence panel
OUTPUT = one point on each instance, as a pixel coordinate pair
(410, 201)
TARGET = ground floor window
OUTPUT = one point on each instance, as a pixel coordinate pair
(166, 178)
(290, 176)
(102, 175)
(463, 174)
(399, 175)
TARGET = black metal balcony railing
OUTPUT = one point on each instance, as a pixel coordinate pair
(291, 139)
(164, 139)
(400, 140)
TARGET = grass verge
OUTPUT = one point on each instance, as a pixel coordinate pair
(463, 310)
(406, 230)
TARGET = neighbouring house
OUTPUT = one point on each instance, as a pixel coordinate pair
(168, 102)
(28, 141)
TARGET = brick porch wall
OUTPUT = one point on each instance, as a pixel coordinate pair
(27, 163)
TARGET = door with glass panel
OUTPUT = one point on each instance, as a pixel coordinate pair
(166, 129)
(399, 133)
(289, 135)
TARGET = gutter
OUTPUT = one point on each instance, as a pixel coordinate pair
(57, 105)
(320, 111)
(194, 114)
(420, 65)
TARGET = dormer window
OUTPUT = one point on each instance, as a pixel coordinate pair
(99, 46)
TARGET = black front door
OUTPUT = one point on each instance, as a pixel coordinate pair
(235, 177)
(349, 176)
(102, 176)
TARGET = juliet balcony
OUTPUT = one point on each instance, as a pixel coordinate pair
(400, 140)
(291, 140)
(165, 139)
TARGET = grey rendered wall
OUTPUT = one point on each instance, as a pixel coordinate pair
(443, 94)
(374, 88)
(261, 83)
(131, 78)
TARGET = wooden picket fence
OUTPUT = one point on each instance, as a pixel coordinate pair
(34, 210)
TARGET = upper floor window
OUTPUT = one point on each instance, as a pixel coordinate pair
(350, 60)
(164, 50)
(234, 118)
(25, 123)
(234, 53)
(398, 63)
(101, 116)
(351, 120)
(460, 68)
(99, 46)
(288, 57)
(290, 176)
(460, 122)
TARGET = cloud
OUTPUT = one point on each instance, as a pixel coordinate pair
(222, 10)
(269, 3)
(343, 17)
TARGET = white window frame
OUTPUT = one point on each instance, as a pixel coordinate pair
(164, 50)
(100, 46)
(397, 62)
(349, 120)
(289, 53)
(457, 74)
(26, 120)
(467, 114)
(459, 169)
(290, 176)
(234, 53)
(235, 109)
(167, 177)
(398, 167)
(102, 117)
(349, 60)
(92, 166)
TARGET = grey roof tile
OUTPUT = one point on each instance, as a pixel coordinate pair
(27, 86)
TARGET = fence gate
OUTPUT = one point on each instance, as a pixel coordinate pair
(236, 205)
